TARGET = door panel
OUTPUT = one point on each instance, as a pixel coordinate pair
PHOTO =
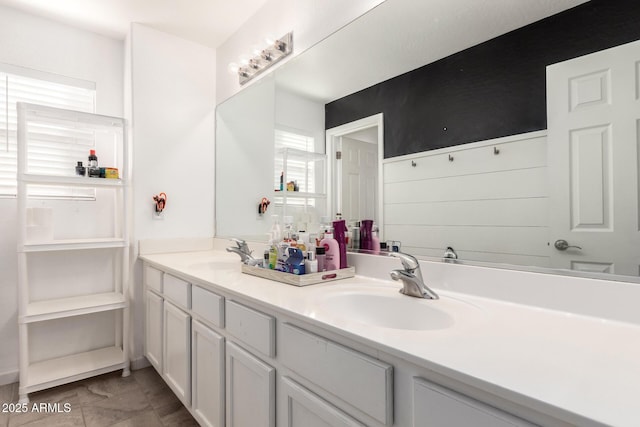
(593, 116)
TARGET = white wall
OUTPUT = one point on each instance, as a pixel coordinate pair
(37, 43)
(310, 21)
(172, 113)
(488, 207)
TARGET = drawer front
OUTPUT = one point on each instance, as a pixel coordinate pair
(359, 380)
(435, 405)
(251, 327)
(153, 278)
(177, 290)
(208, 305)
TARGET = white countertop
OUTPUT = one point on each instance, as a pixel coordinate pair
(570, 366)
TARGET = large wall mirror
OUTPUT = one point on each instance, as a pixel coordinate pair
(484, 189)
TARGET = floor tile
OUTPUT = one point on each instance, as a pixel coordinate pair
(179, 418)
(145, 419)
(115, 409)
(106, 386)
(157, 391)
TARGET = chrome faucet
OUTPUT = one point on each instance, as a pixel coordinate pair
(411, 277)
(242, 249)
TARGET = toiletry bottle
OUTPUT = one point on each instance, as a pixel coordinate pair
(355, 235)
(331, 251)
(283, 254)
(366, 232)
(339, 230)
(276, 233)
(295, 261)
(265, 259)
(288, 228)
(92, 165)
(321, 258)
(375, 240)
(81, 170)
(273, 255)
(281, 181)
(303, 238)
(311, 263)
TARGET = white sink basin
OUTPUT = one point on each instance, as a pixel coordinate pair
(387, 308)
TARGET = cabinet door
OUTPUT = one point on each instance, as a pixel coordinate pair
(250, 390)
(153, 330)
(439, 407)
(207, 375)
(177, 344)
(298, 407)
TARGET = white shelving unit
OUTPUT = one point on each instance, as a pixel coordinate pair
(73, 298)
(313, 168)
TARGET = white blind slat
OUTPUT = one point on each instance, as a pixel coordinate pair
(299, 171)
(53, 149)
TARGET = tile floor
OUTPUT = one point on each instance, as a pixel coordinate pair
(141, 400)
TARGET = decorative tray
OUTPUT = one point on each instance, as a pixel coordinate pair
(299, 280)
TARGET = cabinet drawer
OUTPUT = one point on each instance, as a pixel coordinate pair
(208, 305)
(153, 278)
(251, 327)
(435, 405)
(177, 290)
(359, 380)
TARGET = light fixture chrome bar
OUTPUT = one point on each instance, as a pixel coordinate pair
(279, 50)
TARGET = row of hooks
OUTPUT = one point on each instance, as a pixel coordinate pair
(496, 151)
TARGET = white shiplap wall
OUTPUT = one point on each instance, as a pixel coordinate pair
(488, 207)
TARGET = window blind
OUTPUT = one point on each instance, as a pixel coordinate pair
(298, 170)
(53, 150)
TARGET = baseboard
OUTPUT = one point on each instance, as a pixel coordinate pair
(139, 363)
(10, 377)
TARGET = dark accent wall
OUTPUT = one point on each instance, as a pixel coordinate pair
(491, 90)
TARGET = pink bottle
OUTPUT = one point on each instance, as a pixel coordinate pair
(331, 250)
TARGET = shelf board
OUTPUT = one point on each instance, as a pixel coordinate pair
(61, 370)
(299, 195)
(71, 181)
(72, 306)
(74, 244)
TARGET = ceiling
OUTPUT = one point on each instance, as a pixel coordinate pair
(208, 22)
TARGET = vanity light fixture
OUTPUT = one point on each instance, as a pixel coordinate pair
(276, 51)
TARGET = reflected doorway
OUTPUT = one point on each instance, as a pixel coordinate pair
(355, 170)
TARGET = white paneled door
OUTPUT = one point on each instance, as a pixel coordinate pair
(593, 119)
(359, 179)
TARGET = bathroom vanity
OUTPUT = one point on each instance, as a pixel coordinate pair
(239, 350)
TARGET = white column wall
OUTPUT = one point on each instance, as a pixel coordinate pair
(171, 108)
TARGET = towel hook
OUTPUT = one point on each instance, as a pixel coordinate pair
(450, 158)
(496, 150)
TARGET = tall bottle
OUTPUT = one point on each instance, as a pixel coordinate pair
(375, 240)
(355, 235)
(92, 166)
(339, 230)
(331, 251)
(276, 232)
(366, 234)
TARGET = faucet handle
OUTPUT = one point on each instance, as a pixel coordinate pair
(239, 242)
(409, 262)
